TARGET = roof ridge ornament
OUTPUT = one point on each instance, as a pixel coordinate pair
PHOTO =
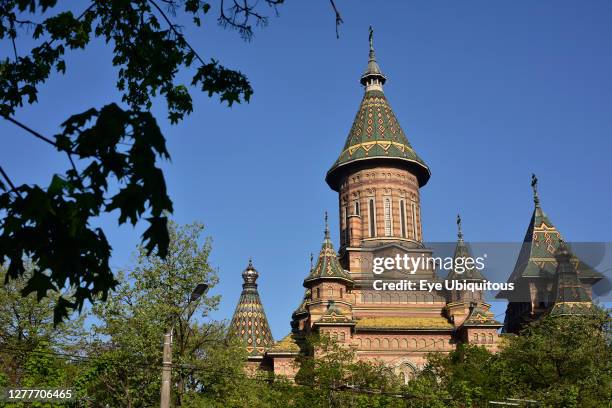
(534, 186)
(459, 232)
(326, 227)
(372, 78)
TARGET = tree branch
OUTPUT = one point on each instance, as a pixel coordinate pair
(338, 17)
(176, 31)
(8, 180)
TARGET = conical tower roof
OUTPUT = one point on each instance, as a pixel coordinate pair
(327, 266)
(480, 317)
(570, 296)
(541, 242)
(376, 134)
(249, 323)
(462, 250)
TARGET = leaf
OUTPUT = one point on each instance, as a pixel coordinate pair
(156, 236)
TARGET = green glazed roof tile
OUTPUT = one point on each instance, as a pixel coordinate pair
(249, 324)
(327, 266)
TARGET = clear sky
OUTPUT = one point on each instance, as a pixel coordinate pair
(487, 92)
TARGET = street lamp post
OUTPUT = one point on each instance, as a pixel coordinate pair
(167, 356)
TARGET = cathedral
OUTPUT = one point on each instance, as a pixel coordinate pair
(378, 176)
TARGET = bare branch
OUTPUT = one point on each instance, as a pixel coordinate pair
(338, 17)
(31, 131)
(240, 15)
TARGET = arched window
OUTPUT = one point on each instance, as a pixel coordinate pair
(402, 218)
(388, 220)
(341, 293)
(372, 217)
(414, 222)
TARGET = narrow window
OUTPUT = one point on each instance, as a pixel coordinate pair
(402, 219)
(414, 221)
(341, 293)
(318, 293)
(388, 223)
(346, 225)
(372, 218)
(357, 208)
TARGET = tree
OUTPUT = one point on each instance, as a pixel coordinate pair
(559, 361)
(330, 376)
(152, 297)
(113, 150)
(563, 361)
(29, 341)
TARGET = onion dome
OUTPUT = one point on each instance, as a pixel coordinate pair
(462, 250)
(376, 135)
(570, 296)
(249, 324)
(327, 267)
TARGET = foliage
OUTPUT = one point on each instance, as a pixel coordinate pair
(563, 361)
(331, 376)
(28, 338)
(559, 361)
(113, 150)
(30, 344)
(152, 298)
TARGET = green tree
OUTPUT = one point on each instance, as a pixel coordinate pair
(27, 333)
(563, 361)
(331, 376)
(33, 351)
(152, 297)
(559, 361)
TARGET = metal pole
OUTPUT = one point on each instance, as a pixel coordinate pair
(199, 290)
(166, 371)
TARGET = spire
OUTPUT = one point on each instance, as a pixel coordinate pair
(249, 324)
(537, 257)
(463, 251)
(376, 133)
(327, 266)
(372, 78)
(570, 296)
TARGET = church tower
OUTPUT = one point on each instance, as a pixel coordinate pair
(249, 324)
(537, 271)
(377, 176)
(467, 309)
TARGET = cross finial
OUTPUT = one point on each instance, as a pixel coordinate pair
(459, 232)
(534, 186)
(371, 38)
(326, 226)
(311, 259)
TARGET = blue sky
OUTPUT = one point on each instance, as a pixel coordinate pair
(487, 93)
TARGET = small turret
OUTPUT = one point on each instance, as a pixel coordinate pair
(249, 324)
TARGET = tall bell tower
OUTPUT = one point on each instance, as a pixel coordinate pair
(377, 176)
